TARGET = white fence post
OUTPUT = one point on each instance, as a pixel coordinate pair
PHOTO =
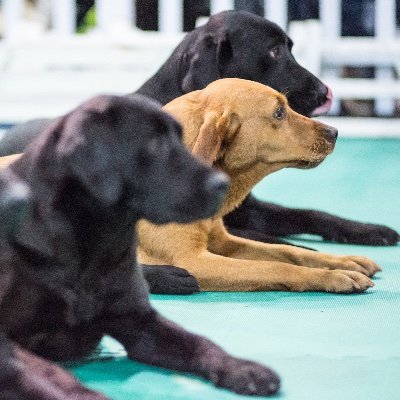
(12, 12)
(385, 28)
(277, 11)
(217, 6)
(330, 14)
(170, 16)
(115, 15)
(63, 15)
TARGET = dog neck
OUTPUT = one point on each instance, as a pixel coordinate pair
(161, 86)
(242, 182)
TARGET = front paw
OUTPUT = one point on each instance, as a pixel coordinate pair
(167, 279)
(340, 281)
(355, 263)
(366, 234)
(246, 378)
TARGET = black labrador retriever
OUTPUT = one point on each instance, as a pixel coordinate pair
(69, 273)
(243, 45)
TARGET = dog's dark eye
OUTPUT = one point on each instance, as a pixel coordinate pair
(279, 113)
(275, 52)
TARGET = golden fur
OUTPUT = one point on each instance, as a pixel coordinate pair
(233, 125)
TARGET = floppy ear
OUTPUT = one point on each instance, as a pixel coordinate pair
(87, 149)
(205, 60)
(215, 134)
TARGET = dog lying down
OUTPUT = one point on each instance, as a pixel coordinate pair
(69, 274)
(248, 131)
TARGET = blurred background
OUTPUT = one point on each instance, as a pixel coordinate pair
(57, 53)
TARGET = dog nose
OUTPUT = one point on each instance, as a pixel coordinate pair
(330, 133)
(217, 183)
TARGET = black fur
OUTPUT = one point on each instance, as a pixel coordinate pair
(69, 272)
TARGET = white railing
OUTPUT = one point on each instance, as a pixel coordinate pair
(111, 14)
(318, 45)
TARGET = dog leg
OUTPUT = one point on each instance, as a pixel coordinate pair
(275, 220)
(228, 245)
(152, 339)
(262, 237)
(218, 273)
(28, 377)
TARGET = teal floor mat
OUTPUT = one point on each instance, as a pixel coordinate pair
(324, 346)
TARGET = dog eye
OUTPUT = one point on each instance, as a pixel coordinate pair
(275, 52)
(279, 113)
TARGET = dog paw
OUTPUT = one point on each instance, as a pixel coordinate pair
(246, 378)
(366, 234)
(166, 279)
(356, 263)
(339, 281)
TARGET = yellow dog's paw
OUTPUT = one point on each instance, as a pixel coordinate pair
(340, 281)
(355, 263)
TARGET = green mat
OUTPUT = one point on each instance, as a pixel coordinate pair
(324, 346)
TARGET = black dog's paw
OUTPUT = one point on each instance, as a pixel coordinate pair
(246, 378)
(366, 234)
(166, 279)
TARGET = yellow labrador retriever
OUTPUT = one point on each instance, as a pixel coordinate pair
(248, 131)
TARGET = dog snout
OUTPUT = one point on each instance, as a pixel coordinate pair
(217, 184)
(330, 133)
(325, 98)
(214, 189)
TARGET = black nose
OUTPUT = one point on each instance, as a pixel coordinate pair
(330, 133)
(217, 183)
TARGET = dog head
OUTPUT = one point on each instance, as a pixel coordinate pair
(128, 151)
(240, 126)
(239, 44)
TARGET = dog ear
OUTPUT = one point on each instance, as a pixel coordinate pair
(90, 157)
(215, 134)
(205, 62)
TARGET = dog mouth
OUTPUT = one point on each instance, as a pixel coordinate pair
(320, 149)
(326, 106)
(305, 164)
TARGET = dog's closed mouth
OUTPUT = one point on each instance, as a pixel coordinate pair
(307, 164)
(319, 150)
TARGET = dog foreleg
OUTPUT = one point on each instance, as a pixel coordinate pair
(223, 243)
(218, 273)
(273, 219)
(152, 339)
